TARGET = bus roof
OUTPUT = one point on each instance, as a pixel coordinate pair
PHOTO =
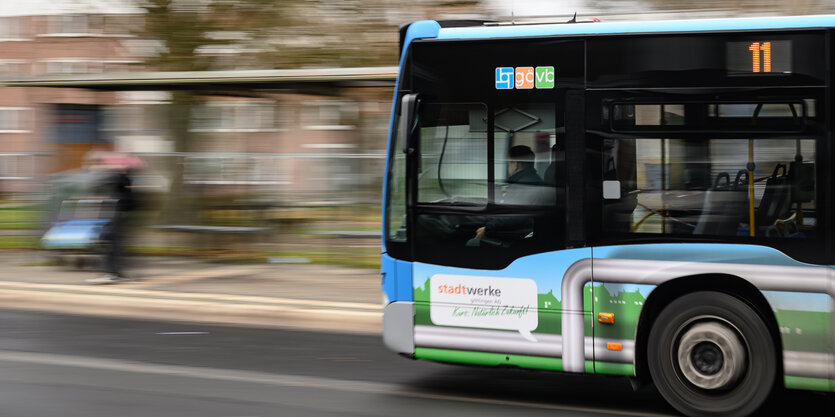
(664, 26)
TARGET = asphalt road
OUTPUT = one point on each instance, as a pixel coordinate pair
(62, 365)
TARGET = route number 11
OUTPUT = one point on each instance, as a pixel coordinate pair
(761, 56)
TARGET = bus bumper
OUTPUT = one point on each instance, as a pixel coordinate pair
(399, 327)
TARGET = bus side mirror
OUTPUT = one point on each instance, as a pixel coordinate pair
(408, 106)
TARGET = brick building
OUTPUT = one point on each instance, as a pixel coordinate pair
(44, 38)
(325, 138)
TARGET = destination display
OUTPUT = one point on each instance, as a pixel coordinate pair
(761, 57)
(708, 60)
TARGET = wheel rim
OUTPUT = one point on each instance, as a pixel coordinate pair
(711, 354)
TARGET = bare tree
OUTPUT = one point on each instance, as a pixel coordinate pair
(184, 30)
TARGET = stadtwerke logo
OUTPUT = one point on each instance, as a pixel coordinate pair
(524, 78)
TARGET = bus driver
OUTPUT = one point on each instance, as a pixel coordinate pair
(523, 185)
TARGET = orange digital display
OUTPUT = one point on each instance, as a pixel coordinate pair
(759, 57)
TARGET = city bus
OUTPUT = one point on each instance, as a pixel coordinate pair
(643, 199)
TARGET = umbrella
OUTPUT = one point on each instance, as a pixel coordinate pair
(123, 161)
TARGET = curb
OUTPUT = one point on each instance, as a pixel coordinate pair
(204, 308)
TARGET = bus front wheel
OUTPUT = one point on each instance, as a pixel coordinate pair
(710, 354)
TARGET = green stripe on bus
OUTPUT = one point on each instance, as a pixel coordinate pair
(489, 359)
(522, 361)
(811, 384)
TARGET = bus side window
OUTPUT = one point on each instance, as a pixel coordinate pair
(662, 190)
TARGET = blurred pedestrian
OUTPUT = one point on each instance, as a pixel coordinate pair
(115, 231)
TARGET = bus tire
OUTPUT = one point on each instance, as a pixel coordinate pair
(710, 354)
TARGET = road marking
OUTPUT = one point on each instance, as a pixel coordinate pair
(286, 380)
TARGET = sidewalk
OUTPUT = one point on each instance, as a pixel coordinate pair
(302, 296)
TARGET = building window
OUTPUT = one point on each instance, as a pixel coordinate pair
(243, 116)
(10, 68)
(68, 24)
(126, 119)
(11, 29)
(13, 119)
(330, 115)
(68, 66)
(17, 166)
(95, 25)
(234, 169)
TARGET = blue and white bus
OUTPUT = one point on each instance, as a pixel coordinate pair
(647, 199)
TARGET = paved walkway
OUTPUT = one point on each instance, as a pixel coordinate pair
(287, 295)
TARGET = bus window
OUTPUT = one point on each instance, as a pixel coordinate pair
(453, 154)
(396, 204)
(627, 116)
(529, 127)
(705, 187)
(782, 116)
(480, 191)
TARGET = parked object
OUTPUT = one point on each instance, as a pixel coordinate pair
(79, 230)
